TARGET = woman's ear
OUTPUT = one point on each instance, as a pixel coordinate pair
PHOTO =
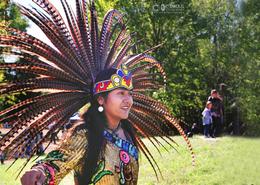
(100, 100)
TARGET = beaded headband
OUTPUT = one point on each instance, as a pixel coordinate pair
(121, 79)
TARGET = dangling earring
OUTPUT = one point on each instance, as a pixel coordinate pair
(100, 108)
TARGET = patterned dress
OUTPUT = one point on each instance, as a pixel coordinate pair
(118, 164)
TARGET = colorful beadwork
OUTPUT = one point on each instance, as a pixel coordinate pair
(53, 156)
(100, 172)
(49, 173)
(124, 157)
(122, 144)
(122, 78)
(125, 172)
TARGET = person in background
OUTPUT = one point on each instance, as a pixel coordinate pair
(1, 134)
(2, 157)
(190, 131)
(216, 113)
(207, 119)
(54, 135)
(195, 128)
(40, 150)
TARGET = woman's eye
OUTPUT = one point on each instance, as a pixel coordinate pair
(123, 93)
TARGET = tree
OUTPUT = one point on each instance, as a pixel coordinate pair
(10, 16)
(231, 49)
(206, 44)
(172, 23)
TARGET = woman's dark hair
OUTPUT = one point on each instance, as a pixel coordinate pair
(95, 123)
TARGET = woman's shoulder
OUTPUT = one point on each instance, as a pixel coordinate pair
(78, 129)
(74, 137)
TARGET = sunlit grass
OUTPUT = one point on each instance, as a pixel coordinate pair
(222, 161)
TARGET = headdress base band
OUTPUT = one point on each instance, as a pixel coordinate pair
(121, 79)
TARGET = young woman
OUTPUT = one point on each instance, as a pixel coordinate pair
(106, 131)
(84, 65)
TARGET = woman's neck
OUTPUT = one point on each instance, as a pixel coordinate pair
(112, 122)
(118, 131)
(113, 126)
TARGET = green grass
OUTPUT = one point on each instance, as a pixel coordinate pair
(222, 161)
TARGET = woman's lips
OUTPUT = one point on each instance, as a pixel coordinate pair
(125, 108)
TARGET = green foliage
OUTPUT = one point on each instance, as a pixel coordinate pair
(17, 21)
(206, 44)
(3, 7)
(171, 23)
(10, 16)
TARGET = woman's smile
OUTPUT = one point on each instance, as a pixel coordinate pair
(117, 105)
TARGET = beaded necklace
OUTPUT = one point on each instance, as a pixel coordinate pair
(121, 143)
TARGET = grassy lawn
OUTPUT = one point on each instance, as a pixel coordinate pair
(222, 161)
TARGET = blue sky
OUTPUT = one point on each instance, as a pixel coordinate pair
(33, 29)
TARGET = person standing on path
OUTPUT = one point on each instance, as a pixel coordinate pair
(216, 113)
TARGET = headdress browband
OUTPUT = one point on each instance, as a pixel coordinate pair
(122, 78)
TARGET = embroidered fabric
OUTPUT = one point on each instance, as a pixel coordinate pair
(118, 164)
(122, 144)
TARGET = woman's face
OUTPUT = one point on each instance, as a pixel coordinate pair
(117, 105)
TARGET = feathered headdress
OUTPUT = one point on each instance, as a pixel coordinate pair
(65, 73)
